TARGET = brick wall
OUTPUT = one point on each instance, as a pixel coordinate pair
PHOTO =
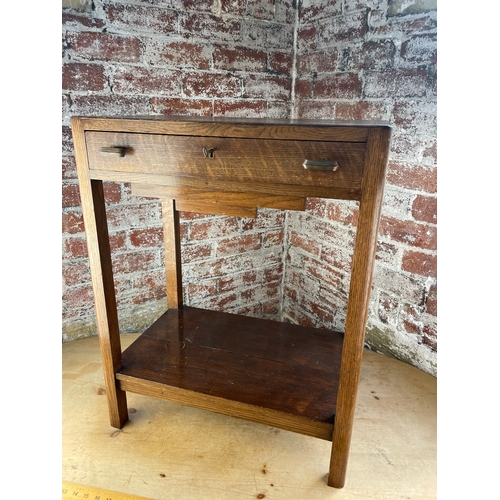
(361, 59)
(351, 59)
(173, 57)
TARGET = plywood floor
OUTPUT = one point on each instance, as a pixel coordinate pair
(168, 451)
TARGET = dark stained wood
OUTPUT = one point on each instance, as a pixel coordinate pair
(279, 366)
(235, 160)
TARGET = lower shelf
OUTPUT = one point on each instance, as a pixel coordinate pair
(274, 373)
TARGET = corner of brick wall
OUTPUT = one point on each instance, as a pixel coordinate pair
(358, 60)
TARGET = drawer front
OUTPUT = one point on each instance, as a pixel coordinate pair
(234, 159)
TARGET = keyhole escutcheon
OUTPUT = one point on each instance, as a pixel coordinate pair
(208, 153)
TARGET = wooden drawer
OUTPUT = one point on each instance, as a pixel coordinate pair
(241, 160)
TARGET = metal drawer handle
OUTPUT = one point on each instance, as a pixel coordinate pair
(320, 165)
(208, 153)
(116, 151)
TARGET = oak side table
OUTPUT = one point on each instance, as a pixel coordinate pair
(288, 376)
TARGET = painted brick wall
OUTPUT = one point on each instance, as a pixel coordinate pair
(362, 59)
(173, 57)
(366, 59)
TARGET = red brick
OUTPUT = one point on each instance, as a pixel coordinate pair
(317, 207)
(67, 140)
(93, 105)
(191, 253)
(150, 237)
(238, 108)
(274, 273)
(278, 36)
(419, 49)
(235, 8)
(267, 86)
(75, 247)
(303, 89)
(409, 233)
(271, 307)
(219, 302)
(125, 216)
(105, 46)
(424, 209)
(305, 243)
(318, 62)
(415, 116)
(132, 262)
(431, 302)
(69, 167)
(238, 244)
(198, 5)
(377, 55)
(312, 11)
(340, 258)
(211, 85)
(78, 297)
(214, 228)
(430, 336)
(340, 212)
(346, 28)
(83, 77)
(430, 151)
(338, 86)
(306, 38)
(387, 253)
(410, 319)
(237, 281)
(280, 62)
(117, 241)
(72, 222)
(260, 9)
(76, 272)
(301, 317)
(272, 238)
(209, 26)
(396, 83)
(152, 288)
(184, 107)
(419, 263)
(316, 309)
(412, 176)
(137, 80)
(361, 110)
(265, 219)
(148, 18)
(81, 20)
(112, 192)
(387, 308)
(406, 25)
(202, 289)
(181, 54)
(239, 59)
(316, 109)
(326, 274)
(70, 195)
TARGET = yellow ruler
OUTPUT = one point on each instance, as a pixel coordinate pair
(79, 491)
